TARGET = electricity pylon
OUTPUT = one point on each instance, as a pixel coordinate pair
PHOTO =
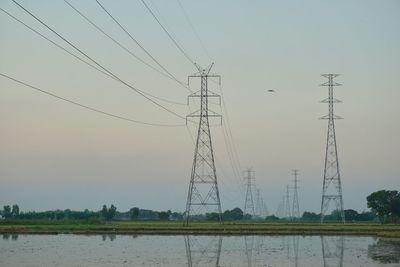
(280, 211)
(296, 206)
(203, 188)
(332, 187)
(288, 214)
(249, 202)
(258, 209)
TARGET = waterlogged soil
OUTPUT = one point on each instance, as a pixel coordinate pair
(153, 250)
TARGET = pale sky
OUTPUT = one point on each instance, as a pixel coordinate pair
(56, 155)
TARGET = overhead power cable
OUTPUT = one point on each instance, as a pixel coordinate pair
(82, 60)
(169, 35)
(88, 107)
(141, 46)
(123, 47)
(95, 62)
(229, 132)
(187, 17)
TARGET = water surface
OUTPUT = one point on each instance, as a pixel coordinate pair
(153, 250)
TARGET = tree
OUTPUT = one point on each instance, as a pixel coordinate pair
(213, 216)
(351, 215)
(109, 213)
(233, 215)
(134, 213)
(104, 212)
(310, 216)
(163, 215)
(385, 204)
(271, 218)
(7, 212)
(15, 211)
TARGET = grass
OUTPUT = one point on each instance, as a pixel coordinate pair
(173, 227)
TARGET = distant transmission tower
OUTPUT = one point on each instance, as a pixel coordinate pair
(288, 214)
(296, 206)
(332, 187)
(203, 188)
(258, 209)
(249, 202)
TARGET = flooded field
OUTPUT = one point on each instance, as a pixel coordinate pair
(153, 250)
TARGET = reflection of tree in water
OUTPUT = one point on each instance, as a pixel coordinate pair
(13, 236)
(332, 250)
(203, 251)
(110, 236)
(385, 251)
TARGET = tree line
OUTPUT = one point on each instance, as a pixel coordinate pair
(384, 205)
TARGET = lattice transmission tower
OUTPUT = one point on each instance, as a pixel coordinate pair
(249, 201)
(288, 214)
(203, 194)
(295, 205)
(332, 187)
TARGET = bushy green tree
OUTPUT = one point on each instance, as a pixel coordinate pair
(233, 215)
(15, 211)
(271, 218)
(7, 212)
(164, 215)
(134, 213)
(310, 216)
(385, 204)
(351, 215)
(108, 214)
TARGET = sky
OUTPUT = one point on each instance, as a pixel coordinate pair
(56, 155)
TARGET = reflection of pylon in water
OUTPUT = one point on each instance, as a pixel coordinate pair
(203, 251)
(249, 244)
(296, 250)
(332, 250)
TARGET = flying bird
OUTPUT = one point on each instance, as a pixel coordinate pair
(271, 91)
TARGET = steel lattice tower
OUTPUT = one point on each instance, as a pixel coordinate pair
(203, 188)
(249, 202)
(288, 214)
(296, 206)
(332, 187)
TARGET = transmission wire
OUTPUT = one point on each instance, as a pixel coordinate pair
(138, 44)
(186, 15)
(83, 53)
(82, 60)
(125, 49)
(169, 35)
(88, 107)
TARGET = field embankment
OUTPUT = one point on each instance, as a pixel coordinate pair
(199, 228)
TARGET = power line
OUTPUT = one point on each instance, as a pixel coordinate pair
(105, 69)
(169, 35)
(124, 47)
(235, 169)
(88, 107)
(229, 126)
(82, 60)
(141, 47)
(193, 29)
